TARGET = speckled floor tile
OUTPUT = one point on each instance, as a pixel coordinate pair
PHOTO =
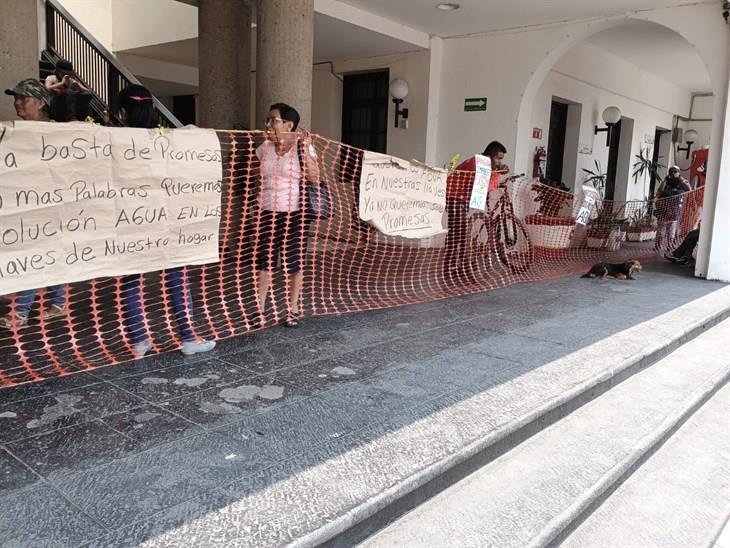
(180, 380)
(40, 518)
(32, 417)
(134, 487)
(151, 425)
(72, 449)
(233, 402)
(13, 474)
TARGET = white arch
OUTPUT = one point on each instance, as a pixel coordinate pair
(703, 29)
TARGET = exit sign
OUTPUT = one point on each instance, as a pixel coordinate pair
(475, 104)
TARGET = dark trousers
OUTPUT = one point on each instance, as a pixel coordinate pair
(456, 246)
(686, 248)
(133, 312)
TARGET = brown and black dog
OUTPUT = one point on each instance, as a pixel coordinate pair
(619, 271)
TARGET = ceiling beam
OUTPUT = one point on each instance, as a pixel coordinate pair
(372, 22)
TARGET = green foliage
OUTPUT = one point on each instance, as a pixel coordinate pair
(645, 165)
(642, 217)
(597, 177)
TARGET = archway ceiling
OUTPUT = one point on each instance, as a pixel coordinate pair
(475, 16)
(658, 50)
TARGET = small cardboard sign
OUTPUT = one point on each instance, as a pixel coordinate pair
(482, 175)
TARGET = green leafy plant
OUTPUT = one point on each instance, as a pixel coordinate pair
(607, 221)
(597, 177)
(646, 166)
(642, 218)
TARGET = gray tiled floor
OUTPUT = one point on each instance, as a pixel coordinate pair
(114, 456)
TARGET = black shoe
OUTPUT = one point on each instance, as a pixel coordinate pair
(671, 258)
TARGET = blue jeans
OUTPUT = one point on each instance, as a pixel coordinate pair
(133, 315)
(24, 299)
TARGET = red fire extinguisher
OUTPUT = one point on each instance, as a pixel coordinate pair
(538, 162)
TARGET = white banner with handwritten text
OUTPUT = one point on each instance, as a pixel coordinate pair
(402, 198)
(79, 201)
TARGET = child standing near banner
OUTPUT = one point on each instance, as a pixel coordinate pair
(138, 111)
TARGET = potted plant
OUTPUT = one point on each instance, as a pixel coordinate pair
(596, 177)
(642, 225)
(550, 227)
(646, 166)
(607, 230)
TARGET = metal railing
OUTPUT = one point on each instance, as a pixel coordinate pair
(95, 66)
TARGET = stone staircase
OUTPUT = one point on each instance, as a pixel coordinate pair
(468, 446)
(645, 464)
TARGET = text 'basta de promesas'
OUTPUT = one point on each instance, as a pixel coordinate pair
(83, 148)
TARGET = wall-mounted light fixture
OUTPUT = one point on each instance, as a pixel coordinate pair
(611, 116)
(399, 91)
(690, 137)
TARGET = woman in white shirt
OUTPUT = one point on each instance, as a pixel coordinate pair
(281, 228)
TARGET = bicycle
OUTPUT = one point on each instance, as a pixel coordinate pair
(499, 232)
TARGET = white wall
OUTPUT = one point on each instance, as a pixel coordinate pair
(412, 67)
(95, 16)
(597, 79)
(139, 23)
(326, 102)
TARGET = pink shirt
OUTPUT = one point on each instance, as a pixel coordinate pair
(280, 178)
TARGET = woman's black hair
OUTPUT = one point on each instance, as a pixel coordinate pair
(137, 101)
(287, 113)
(63, 67)
(493, 148)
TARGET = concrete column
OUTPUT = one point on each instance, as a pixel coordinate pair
(713, 250)
(224, 42)
(244, 67)
(19, 53)
(284, 51)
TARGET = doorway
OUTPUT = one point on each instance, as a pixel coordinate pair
(613, 154)
(365, 110)
(556, 141)
(660, 154)
(183, 107)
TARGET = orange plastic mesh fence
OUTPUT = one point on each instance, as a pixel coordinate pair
(342, 264)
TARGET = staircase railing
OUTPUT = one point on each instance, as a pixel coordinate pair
(96, 67)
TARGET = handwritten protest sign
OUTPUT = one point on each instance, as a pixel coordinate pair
(588, 206)
(483, 173)
(402, 198)
(79, 201)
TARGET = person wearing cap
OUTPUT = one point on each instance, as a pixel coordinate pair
(71, 97)
(669, 205)
(32, 100)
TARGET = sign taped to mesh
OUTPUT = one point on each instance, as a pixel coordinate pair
(402, 198)
(79, 201)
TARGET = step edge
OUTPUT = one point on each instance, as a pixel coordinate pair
(494, 444)
(560, 527)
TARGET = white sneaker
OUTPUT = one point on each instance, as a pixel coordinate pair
(54, 311)
(142, 348)
(196, 347)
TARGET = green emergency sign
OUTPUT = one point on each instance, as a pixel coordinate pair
(475, 104)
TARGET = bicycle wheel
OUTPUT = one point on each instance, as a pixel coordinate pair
(513, 245)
